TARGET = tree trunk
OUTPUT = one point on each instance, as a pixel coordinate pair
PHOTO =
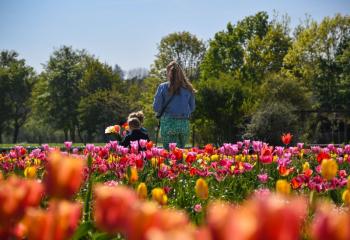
(65, 134)
(15, 132)
(89, 136)
(79, 134)
(72, 134)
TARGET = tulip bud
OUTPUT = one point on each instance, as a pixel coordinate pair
(142, 191)
(134, 176)
(201, 189)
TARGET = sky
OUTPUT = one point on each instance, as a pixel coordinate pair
(126, 32)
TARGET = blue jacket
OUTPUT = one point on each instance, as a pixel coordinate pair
(181, 106)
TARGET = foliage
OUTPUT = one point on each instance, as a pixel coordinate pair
(219, 101)
(99, 110)
(272, 120)
(16, 83)
(183, 47)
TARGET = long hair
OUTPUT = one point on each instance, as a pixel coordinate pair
(177, 78)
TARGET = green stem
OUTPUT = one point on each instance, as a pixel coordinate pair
(87, 202)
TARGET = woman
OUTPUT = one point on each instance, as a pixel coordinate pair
(174, 121)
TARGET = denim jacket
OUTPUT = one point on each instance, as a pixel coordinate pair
(180, 106)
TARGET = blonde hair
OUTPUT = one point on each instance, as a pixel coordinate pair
(177, 78)
(134, 123)
(139, 115)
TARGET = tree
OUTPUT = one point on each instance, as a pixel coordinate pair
(219, 109)
(137, 74)
(5, 103)
(226, 50)
(98, 76)
(314, 60)
(319, 58)
(183, 47)
(63, 72)
(119, 71)
(17, 80)
(99, 110)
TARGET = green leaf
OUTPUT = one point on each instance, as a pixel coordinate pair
(82, 230)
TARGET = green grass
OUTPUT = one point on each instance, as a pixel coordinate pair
(10, 145)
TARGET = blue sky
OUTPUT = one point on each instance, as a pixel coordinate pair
(126, 32)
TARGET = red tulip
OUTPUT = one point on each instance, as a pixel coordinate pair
(321, 156)
(286, 138)
(266, 155)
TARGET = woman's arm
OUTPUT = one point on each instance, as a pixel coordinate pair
(158, 100)
(192, 103)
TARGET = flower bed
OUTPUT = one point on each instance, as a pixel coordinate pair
(244, 190)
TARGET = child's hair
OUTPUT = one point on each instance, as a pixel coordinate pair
(139, 115)
(134, 123)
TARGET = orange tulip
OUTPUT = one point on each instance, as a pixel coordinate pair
(16, 195)
(330, 223)
(112, 207)
(58, 222)
(134, 176)
(147, 221)
(64, 175)
(271, 217)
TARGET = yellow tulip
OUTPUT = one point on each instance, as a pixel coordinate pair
(159, 196)
(201, 189)
(154, 162)
(283, 187)
(30, 172)
(346, 197)
(306, 166)
(329, 169)
(214, 157)
(142, 191)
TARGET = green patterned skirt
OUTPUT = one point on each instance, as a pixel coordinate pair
(174, 130)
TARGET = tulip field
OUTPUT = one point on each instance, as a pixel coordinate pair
(243, 190)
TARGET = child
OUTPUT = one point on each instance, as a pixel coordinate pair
(140, 116)
(135, 132)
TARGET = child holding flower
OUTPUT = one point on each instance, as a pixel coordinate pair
(135, 132)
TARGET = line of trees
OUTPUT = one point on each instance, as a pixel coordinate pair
(256, 79)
